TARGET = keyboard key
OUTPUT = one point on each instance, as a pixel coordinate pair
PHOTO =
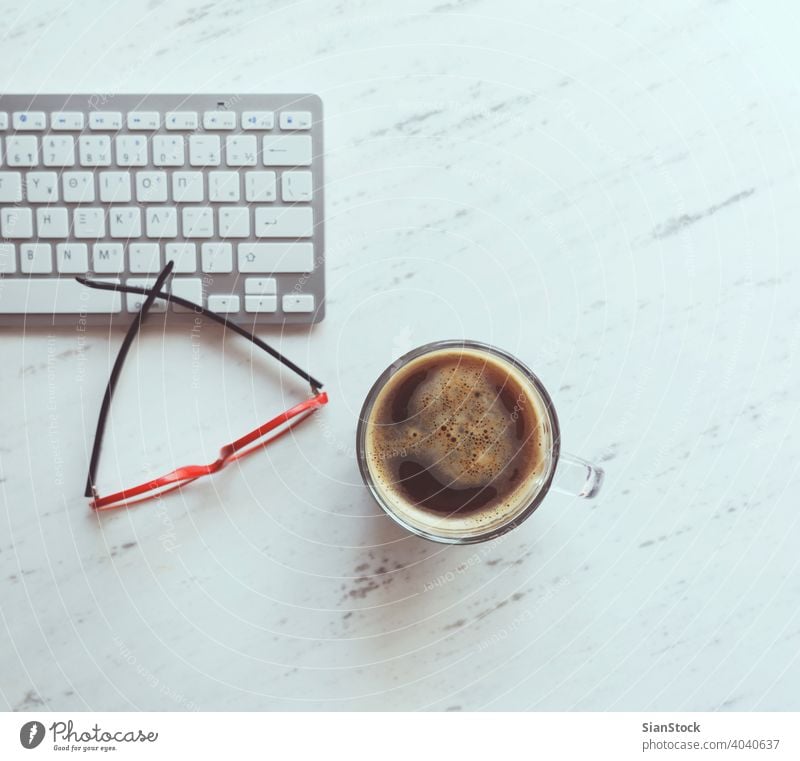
(52, 223)
(198, 222)
(59, 151)
(10, 187)
(3, 120)
(8, 259)
(16, 223)
(78, 187)
(125, 222)
(144, 258)
(134, 301)
(261, 286)
(181, 120)
(287, 150)
(89, 223)
(55, 296)
(217, 257)
(284, 222)
(115, 187)
(241, 150)
(187, 187)
(204, 150)
(29, 121)
(72, 258)
(107, 258)
(187, 288)
(94, 150)
(131, 150)
(168, 150)
(259, 186)
(219, 120)
(296, 186)
(223, 186)
(258, 120)
(276, 257)
(223, 303)
(144, 120)
(162, 222)
(298, 302)
(66, 121)
(151, 187)
(105, 120)
(22, 151)
(295, 120)
(35, 259)
(184, 256)
(234, 222)
(261, 303)
(42, 187)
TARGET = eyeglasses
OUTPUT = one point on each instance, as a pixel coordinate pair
(251, 442)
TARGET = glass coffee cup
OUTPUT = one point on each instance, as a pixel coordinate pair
(459, 442)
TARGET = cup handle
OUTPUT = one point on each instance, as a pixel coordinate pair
(577, 477)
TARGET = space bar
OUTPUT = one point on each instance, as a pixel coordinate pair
(55, 296)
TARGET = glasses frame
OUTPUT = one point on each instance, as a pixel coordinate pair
(243, 446)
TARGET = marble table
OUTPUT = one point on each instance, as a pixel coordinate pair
(607, 191)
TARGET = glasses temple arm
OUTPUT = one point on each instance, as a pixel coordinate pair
(315, 384)
(133, 329)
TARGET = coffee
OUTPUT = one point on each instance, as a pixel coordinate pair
(458, 434)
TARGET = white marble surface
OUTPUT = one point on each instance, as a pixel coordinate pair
(607, 191)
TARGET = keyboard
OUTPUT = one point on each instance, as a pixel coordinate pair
(112, 187)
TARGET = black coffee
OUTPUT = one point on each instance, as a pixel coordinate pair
(456, 432)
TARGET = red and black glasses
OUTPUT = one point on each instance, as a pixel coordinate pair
(251, 442)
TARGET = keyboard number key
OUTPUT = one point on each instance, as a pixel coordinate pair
(241, 150)
(168, 150)
(22, 150)
(131, 150)
(58, 151)
(204, 150)
(95, 150)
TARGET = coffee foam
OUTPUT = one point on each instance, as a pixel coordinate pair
(456, 426)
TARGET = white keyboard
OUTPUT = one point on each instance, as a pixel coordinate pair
(228, 187)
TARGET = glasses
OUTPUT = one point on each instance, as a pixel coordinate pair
(251, 442)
